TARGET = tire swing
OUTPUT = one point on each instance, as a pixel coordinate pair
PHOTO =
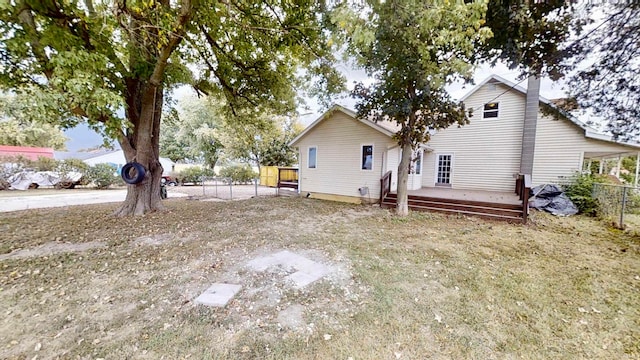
(133, 173)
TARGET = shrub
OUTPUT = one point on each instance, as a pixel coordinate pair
(194, 174)
(239, 173)
(102, 175)
(579, 188)
(44, 164)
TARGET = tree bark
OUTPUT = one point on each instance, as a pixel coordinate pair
(143, 146)
(402, 207)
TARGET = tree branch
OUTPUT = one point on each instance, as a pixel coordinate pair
(26, 17)
(174, 40)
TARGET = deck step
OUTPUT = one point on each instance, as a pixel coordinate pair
(459, 201)
(509, 212)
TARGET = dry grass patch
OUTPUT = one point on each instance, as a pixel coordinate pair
(425, 286)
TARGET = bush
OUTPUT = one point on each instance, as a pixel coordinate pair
(194, 175)
(579, 188)
(102, 175)
(239, 173)
(44, 164)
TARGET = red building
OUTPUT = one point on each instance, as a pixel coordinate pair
(31, 153)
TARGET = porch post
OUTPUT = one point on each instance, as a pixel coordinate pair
(618, 167)
(601, 166)
(589, 165)
(635, 184)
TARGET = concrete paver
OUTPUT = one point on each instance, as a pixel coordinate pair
(308, 272)
(218, 294)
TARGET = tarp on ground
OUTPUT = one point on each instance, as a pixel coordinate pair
(551, 198)
(24, 179)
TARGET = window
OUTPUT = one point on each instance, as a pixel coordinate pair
(366, 162)
(313, 154)
(490, 110)
(444, 170)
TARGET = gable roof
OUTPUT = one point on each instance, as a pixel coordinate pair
(589, 132)
(387, 128)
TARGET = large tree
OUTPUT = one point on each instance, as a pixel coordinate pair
(85, 61)
(413, 49)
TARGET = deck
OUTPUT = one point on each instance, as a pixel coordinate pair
(510, 206)
(471, 195)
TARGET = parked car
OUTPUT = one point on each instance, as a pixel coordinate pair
(168, 181)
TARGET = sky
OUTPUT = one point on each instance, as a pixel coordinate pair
(548, 88)
(81, 137)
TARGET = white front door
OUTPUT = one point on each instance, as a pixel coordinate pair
(415, 172)
(444, 167)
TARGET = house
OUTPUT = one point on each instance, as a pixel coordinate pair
(113, 157)
(343, 157)
(31, 153)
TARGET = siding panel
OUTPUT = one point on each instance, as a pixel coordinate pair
(339, 139)
(486, 152)
(560, 146)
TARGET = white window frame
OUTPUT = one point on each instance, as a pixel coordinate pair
(373, 151)
(309, 157)
(497, 111)
(437, 165)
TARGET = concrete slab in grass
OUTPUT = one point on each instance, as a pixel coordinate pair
(308, 271)
(218, 294)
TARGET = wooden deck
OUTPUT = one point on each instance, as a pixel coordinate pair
(510, 206)
(470, 195)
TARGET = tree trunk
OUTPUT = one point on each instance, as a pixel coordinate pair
(402, 207)
(142, 145)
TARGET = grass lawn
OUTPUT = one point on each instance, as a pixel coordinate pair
(78, 283)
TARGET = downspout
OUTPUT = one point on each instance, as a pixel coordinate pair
(532, 106)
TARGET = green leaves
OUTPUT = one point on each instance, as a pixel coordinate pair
(418, 49)
(18, 128)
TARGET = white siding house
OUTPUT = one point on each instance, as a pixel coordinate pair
(482, 155)
(332, 156)
(486, 152)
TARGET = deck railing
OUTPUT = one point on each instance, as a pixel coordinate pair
(385, 185)
(523, 187)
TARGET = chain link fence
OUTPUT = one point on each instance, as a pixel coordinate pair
(618, 203)
(224, 189)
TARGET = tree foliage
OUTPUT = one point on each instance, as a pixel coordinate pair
(608, 60)
(263, 141)
(413, 49)
(529, 35)
(86, 61)
(17, 129)
(192, 135)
